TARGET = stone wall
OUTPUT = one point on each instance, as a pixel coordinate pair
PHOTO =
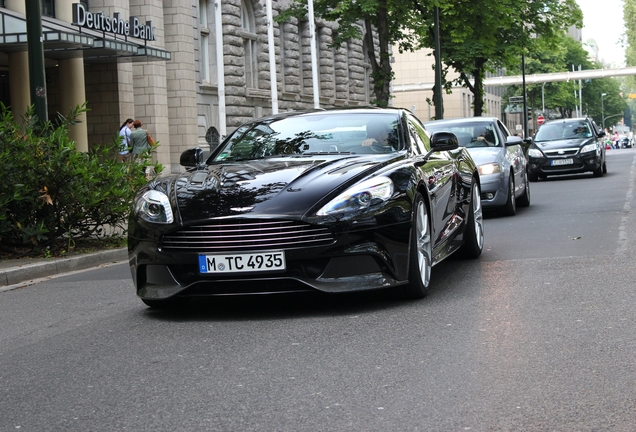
(342, 71)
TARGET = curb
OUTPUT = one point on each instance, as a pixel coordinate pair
(51, 267)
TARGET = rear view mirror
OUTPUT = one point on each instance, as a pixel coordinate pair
(444, 141)
(191, 157)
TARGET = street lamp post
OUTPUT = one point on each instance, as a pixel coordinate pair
(603, 110)
(523, 89)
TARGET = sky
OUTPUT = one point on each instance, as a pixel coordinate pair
(603, 21)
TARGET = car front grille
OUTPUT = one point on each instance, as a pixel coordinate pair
(240, 235)
(561, 152)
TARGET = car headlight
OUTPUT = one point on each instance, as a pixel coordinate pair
(154, 206)
(359, 197)
(588, 148)
(534, 152)
(490, 168)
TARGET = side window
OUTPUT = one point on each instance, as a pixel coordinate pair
(504, 129)
(419, 137)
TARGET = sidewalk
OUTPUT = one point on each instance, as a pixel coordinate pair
(13, 272)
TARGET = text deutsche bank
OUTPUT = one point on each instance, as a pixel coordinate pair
(116, 25)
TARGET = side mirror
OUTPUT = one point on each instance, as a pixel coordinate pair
(513, 140)
(601, 134)
(191, 157)
(443, 141)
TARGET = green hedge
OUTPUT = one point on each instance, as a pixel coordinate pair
(51, 194)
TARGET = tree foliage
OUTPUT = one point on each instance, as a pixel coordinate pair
(52, 194)
(560, 99)
(391, 21)
(479, 36)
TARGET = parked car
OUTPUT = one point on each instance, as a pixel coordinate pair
(332, 201)
(499, 157)
(567, 146)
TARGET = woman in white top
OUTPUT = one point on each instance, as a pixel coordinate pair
(124, 132)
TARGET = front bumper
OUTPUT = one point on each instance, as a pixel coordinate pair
(494, 190)
(356, 260)
(579, 163)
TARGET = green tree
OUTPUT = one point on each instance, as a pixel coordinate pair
(560, 97)
(391, 21)
(479, 36)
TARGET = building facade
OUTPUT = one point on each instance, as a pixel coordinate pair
(169, 64)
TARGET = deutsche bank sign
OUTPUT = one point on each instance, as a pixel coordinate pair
(116, 25)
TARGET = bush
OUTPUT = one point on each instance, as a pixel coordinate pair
(51, 194)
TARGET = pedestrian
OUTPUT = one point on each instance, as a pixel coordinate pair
(124, 134)
(140, 139)
(616, 140)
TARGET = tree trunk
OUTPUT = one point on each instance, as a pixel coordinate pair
(381, 70)
(478, 87)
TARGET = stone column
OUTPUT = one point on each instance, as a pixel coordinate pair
(72, 86)
(149, 83)
(181, 78)
(19, 71)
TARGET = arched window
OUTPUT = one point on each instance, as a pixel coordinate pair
(250, 44)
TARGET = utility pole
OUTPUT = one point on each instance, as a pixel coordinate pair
(37, 78)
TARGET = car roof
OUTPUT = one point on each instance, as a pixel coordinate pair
(463, 120)
(356, 110)
(568, 120)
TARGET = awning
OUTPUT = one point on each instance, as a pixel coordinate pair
(63, 40)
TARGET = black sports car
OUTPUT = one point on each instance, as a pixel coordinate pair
(567, 146)
(332, 201)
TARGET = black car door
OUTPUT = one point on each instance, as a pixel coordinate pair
(438, 174)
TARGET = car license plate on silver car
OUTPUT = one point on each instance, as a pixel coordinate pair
(562, 162)
(239, 263)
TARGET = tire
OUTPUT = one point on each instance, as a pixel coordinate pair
(598, 172)
(510, 208)
(533, 177)
(604, 167)
(524, 200)
(421, 251)
(474, 231)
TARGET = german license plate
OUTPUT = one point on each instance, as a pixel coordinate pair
(562, 162)
(240, 263)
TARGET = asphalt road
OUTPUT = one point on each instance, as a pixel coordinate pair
(538, 334)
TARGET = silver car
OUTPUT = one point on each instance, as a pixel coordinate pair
(499, 157)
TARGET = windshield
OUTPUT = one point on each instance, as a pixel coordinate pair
(313, 133)
(563, 130)
(469, 135)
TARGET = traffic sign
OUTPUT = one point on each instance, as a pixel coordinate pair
(540, 120)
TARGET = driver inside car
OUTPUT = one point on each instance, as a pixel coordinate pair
(377, 134)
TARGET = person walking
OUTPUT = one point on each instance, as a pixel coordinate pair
(124, 133)
(140, 139)
(616, 140)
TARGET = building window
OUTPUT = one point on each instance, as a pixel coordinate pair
(303, 53)
(250, 44)
(205, 36)
(48, 8)
(283, 58)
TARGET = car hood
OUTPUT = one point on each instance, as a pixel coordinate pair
(271, 187)
(565, 143)
(485, 155)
